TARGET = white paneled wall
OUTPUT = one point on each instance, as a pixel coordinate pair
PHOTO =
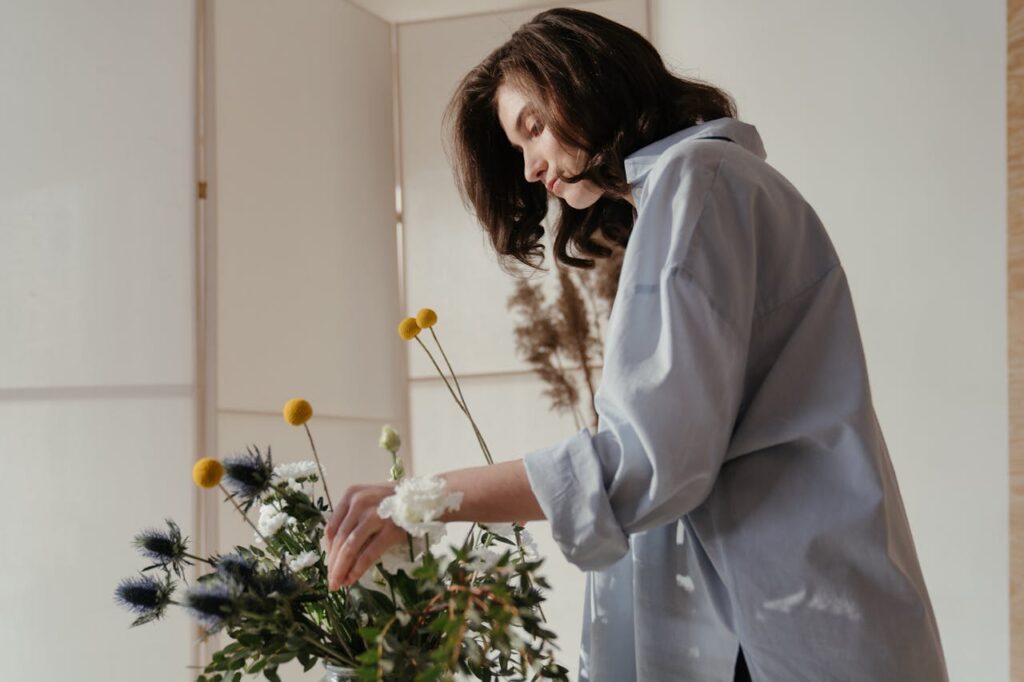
(306, 265)
(97, 415)
(85, 474)
(890, 119)
(449, 267)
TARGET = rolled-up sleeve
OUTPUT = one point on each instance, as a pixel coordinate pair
(669, 397)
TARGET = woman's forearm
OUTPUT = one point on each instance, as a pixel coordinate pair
(497, 493)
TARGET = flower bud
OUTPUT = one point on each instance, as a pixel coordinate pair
(389, 439)
(207, 472)
(408, 329)
(297, 411)
(426, 318)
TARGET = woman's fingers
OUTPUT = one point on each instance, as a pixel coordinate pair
(352, 526)
(340, 511)
(347, 525)
(347, 551)
(369, 556)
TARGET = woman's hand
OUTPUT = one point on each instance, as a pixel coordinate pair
(356, 535)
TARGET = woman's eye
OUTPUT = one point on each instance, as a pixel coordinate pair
(536, 129)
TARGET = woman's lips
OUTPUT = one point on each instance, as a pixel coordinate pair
(551, 185)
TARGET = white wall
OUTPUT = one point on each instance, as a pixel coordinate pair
(890, 119)
(96, 310)
(450, 267)
(306, 268)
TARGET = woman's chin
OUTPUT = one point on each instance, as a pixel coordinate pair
(579, 203)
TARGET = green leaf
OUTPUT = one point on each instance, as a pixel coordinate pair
(369, 634)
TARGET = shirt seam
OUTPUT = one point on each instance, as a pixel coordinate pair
(800, 292)
(691, 277)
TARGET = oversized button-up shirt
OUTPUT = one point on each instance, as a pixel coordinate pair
(738, 491)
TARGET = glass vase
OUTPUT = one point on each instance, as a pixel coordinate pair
(337, 673)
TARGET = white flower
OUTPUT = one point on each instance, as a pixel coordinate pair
(530, 550)
(396, 558)
(526, 541)
(273, 519)
(389, 439)
(373, 580)
(514, 640)
(294, 470)
(304, 560)
(417, 505)
(483, 559)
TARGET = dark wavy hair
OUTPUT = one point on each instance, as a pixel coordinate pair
(600, 87)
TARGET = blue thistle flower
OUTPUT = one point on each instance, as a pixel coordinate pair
(279, 581)
(249, 475)
(210, 602)
(237, 566)
(166, 548)
(144, 596)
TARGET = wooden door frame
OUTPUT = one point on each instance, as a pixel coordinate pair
(1015, 323)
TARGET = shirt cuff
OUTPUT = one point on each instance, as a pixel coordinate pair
(567, 480)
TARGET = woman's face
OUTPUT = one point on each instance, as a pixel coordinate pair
(545, 159)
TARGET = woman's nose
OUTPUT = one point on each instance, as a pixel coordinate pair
(534, 168)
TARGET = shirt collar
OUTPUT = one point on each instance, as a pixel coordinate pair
(639, 163)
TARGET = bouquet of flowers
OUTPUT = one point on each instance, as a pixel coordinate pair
(422, 613)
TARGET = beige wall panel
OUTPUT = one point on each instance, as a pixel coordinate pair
(307, 278)
(96, 328)
(449, 265)
(93, 474)
(888, 118)
(96, 194)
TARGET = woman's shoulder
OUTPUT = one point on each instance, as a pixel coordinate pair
(697, 145)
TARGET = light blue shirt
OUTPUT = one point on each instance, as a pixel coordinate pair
(738, 490)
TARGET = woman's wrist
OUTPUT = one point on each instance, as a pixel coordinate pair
(498, 493)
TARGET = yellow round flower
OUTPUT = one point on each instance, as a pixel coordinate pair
(408, 329)
(207, 472)
(297, 411)
(426, 318)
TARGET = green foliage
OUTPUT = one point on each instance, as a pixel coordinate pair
(475, 610)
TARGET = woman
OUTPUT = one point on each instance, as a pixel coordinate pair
(737, 507)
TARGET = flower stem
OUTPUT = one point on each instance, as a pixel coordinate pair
(312, 633)
(199, 558)
(449, 365)
(472, 527)
(323, 481)
(244, 516)
(465, 406)
(460, 403)
(339, 629)
(387, 579)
